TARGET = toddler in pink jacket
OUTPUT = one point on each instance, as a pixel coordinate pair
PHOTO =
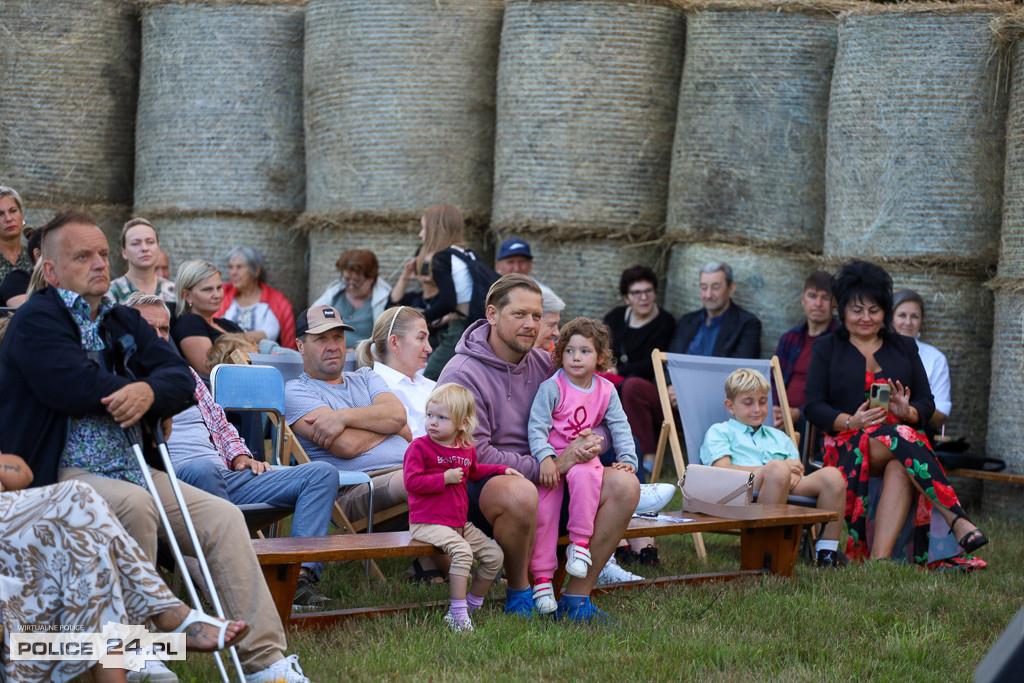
(436, 469)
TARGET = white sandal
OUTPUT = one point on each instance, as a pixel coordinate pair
(577, 560)
(197, 617)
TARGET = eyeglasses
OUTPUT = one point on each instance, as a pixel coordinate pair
(641, 293)
(353, 281)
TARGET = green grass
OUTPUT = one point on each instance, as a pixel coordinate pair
(878, 621)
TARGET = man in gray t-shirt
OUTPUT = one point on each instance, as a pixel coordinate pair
(348, 419)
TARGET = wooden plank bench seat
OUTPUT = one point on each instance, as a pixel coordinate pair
(1005, 477)
(769, 541)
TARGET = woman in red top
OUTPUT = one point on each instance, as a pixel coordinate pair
(251, 303)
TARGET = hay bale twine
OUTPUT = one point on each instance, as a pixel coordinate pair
(1005, 429)
(110, 218)
(765, 74)
(915, 136)
(958, 322)
(69, 88)
(211, 236)
(587, 96)
(220, 107)
(768, 284)
(585, 272)
(400, 105)
(394, 243)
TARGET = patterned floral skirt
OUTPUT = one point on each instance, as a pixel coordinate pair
(848, 451)
(66, 560)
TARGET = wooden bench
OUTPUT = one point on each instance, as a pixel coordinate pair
(769, 543)
(1004, 477)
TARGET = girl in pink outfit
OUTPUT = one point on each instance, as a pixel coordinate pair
(572, 400)
(436, 469)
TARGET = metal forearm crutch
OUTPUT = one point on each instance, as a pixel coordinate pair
(134, 435)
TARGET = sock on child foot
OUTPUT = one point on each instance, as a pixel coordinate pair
(474, 602)
(826, 545)
(458, 610)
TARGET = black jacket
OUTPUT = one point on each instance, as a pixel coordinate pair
(835, 377)
(46, 377)
(740, 336)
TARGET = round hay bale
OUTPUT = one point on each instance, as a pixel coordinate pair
(1005, 429)
(211, 236)
(394, 243)
(587, 95)
(761, 176)
(400, 105)
(69, 88)
(109, 217)
(220, 108)
(1011, 250)
(768, 284)
(958, 322)
(915, 136)
(585, 272)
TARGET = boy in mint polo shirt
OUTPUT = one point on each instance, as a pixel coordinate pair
(745, 443)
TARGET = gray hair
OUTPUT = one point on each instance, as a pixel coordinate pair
(253, 259)
(905, 295)
(715, 266)
(136, 299)
(190, 274)
(551, 302)
(13, 194)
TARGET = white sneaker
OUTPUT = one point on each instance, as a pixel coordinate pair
(285, 670)
(654, 497)
(154, 672)
(577, 561)
(544, 598)
(613, 573)
(458, 626)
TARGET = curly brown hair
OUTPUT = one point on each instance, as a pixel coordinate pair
(589, 328)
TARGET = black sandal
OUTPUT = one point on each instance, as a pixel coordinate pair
(973, 539)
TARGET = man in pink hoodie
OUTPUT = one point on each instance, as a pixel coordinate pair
(496, 361)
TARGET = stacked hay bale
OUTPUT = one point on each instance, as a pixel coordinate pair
(220, 146)
(587, 92)
(914, 172)
(399, 117)
(69, 90)
(1005, 436)
(749, 154)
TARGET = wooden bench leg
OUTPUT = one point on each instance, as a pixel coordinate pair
(772, 548)
(282, 580)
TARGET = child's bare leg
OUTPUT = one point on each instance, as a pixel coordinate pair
(829, 486)
(479, 587)
(771, 481)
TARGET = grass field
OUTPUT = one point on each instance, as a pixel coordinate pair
(876, 621)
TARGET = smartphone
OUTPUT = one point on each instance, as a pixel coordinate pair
(879, 396)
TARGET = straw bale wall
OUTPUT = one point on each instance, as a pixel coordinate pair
(587, 96)
(958, 322)
(585, 272)
(399, 105)
(69, 90)
(768, 284)
(220, 108)
(748, 163)
(1011, 251)
(393, 242)
(915, 136)
(109, 217)
(211, 236)
(1005, 428)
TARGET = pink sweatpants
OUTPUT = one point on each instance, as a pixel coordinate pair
(584, 482)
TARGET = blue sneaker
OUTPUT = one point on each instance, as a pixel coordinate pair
(519, 603)
(580, 609)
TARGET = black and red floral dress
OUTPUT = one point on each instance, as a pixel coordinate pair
(848, 451)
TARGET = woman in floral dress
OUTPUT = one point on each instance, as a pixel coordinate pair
(864, 442)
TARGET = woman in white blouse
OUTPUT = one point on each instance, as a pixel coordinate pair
(397, 351)
(908, 314)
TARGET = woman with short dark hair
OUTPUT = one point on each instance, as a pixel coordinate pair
(884, 441)
(360, 295)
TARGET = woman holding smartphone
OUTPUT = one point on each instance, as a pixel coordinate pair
(851, 374)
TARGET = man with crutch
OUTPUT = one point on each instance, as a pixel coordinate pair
(65, 409)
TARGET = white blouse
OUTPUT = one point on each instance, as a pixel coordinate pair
(937, 369)
(413, 394)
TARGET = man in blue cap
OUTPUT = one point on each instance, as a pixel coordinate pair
(514, 256)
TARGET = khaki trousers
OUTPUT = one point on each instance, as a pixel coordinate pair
(462, 547)
(222, 533)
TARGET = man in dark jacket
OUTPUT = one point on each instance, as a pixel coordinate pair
(720, 328)
(67, 400)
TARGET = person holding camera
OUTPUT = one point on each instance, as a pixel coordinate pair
(868, 392)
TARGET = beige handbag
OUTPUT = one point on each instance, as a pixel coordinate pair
(718, 491)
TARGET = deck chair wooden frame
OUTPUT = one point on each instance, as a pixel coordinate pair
(291, 448)
(669, 435)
